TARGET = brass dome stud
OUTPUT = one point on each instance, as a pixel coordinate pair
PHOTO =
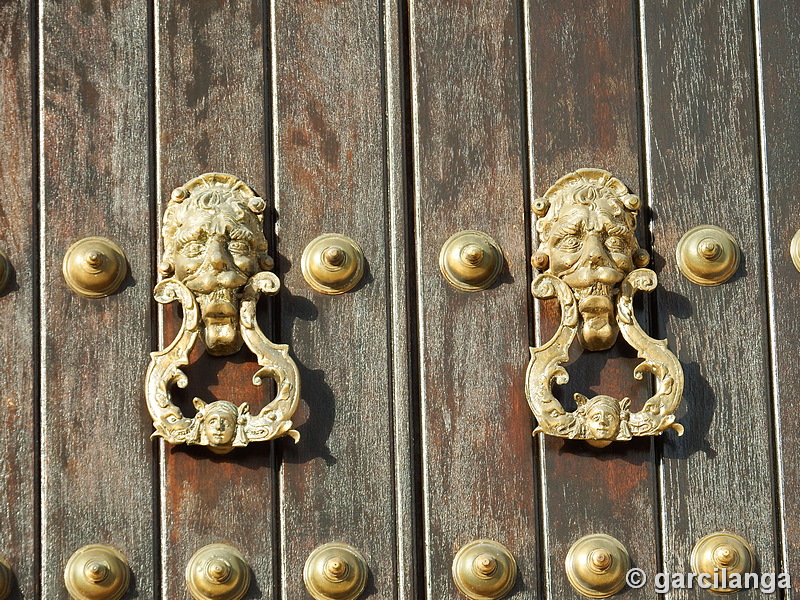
(794, 250)
(720, 551)
(5, 270)
(97, 572)
(484, 570)
(6, 579)
(597, 565)
(94, 267)
(707, 255)
(335, 571)
(471, 261)
(332, 263)
(217, 572)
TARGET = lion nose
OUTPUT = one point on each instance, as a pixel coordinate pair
(595, 252)
(218, 256)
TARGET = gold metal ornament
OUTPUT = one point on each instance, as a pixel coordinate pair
(5, 273)
(94, 267)
(586, 228)
(6, 579)
(597, 565)
(332, 263)
(484, 570)
(97, 572)
(335, 571)
(471, 261)
(722, 551)
(215, 250)
(217, 572)
(707, 255)
(794, 250)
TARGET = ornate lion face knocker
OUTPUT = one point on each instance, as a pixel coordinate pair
(216, 252)
(588, 251)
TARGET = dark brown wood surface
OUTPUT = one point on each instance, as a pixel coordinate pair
(779, 103)
(97, 468)
(211, 84)
(397, 123)
(19, 503)
(330, 130)
(469, 173)
(584, 98)
(703, 159)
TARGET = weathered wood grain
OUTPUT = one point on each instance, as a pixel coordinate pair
(332, 171)
(210, 79)
(96, 458)
(778, 31)
(19, 434)
(702, 147)
(469, 173)
(583, 103)
(400, 266)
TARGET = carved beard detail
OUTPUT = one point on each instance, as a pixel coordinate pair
(599, 328)
(220, 314)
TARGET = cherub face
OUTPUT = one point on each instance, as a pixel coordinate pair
(602, 422)
(219, 427)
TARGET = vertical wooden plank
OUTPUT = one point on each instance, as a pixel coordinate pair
(584, 96)
(469, 173)
(777, 31)
(703, 149)
(18, 436)
(403, 317)
(330, 132)
(212, 118)
(97, 463)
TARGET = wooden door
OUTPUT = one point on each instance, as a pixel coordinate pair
(397, 123)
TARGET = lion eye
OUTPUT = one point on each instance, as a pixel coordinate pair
(192, 249)
(616, 244)
(239, 247)
(570, 243)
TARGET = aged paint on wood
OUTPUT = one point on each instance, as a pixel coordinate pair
(469, 173)
(703, 162)
(18, 502)
(330, 129)
(211, 88)
(96, 458)
(584, 96)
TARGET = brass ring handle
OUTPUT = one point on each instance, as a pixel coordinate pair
(217, 572)
(590, 270)
(217, 274)
(97, 572)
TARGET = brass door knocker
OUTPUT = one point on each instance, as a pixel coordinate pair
(587, 246)
(215, 256)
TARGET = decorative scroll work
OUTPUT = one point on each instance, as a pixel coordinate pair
(587, 245)
(602, 419)
(215, 247)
